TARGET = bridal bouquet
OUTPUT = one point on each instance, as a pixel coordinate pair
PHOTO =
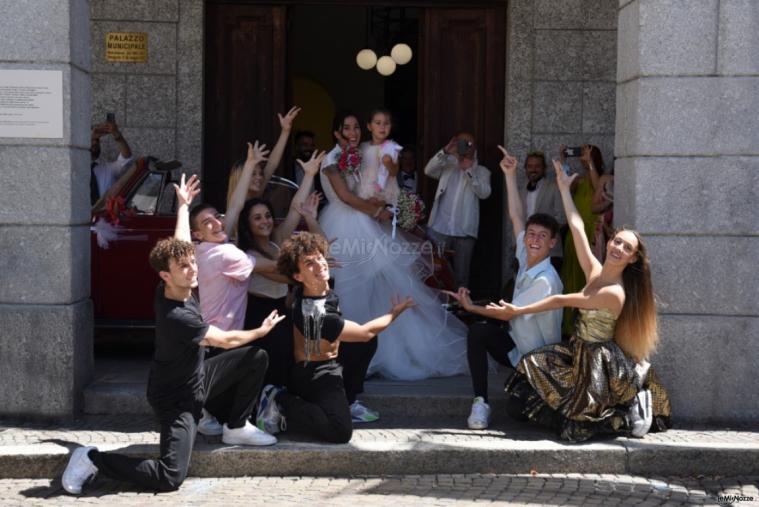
(409, 210)
(349, 161)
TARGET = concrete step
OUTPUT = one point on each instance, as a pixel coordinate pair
(119, 388)
(400, 445)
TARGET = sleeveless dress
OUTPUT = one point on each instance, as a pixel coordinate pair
(425, 341)
(585, 387)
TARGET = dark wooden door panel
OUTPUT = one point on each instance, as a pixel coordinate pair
(244, 86)
(462, 83)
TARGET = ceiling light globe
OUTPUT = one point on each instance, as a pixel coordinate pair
(401, 54)
(385, 65)
(366, 59)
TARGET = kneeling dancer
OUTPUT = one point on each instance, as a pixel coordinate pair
(315, 402)
(181, 380)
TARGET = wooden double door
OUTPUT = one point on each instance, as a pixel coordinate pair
(461, 87)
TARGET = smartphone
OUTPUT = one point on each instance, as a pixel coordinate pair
(110, 118)
(462, 147)
(574, 151)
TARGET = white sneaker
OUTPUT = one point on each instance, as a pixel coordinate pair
(640, 414)
(79, 470)
(269, 418)
(479, 418)
(209, 425)
(247, 435)
(362, 414)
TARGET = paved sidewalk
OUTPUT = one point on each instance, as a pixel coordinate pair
(407, 490)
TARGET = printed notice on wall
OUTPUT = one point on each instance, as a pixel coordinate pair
(126, 47)
(31, 103)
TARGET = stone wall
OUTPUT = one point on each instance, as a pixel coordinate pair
(45, 311)
(560, 81)
(158, 104)
(687, 178)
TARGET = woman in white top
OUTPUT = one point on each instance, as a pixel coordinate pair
(259, 237)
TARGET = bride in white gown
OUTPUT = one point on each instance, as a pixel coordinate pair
(426, 341)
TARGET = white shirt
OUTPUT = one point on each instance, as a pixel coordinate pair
(534, 330)
(532, 198)
(106, 173)
(447, 220)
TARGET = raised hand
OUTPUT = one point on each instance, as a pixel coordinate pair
(187, 190)
(312, 165)
(286, 121)
(508, 162)
(563, 180)
(256, 154)
(309, 208)
(272, 320)
(450, 148)
(400, 305)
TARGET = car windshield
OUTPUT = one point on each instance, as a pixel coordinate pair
(145, 198)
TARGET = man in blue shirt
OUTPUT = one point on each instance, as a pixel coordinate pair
(536, 279)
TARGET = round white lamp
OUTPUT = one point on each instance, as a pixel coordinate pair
(385, 65)
(401, 54)
(366, 59)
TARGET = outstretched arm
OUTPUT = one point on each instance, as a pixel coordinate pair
(341, 189)
(309, 210)
(587, 260)
(310, 169)
(516, 210)
(611, 297)
(286, 122)
(215, 337)
(434, 168)
(256, 154)
(354, 332)
(186, 192)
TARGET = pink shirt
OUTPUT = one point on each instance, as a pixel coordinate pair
(223, 272)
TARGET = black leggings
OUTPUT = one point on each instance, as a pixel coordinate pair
(232, 383)
(278, 343)
(484, 339)
(355, 358)
(315, 402)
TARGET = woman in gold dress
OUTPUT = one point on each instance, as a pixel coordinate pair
(601, 381)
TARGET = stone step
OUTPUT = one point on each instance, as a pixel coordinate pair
(402, 446)
(119, 388)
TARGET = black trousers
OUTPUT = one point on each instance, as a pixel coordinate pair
(481, 340)
(278, 344)
(355, 358)
(232, 383)
(315, 402)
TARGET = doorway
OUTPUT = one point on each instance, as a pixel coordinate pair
(260, 59)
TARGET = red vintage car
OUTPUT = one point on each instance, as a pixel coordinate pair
(138, 211)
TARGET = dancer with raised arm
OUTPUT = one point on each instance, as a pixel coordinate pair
(601, 381)
(181, 379)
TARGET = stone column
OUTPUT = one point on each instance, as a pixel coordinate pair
(45, 311)
(687, 177)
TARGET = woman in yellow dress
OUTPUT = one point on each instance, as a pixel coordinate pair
(601, 381)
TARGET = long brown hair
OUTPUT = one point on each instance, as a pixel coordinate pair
(636, 332)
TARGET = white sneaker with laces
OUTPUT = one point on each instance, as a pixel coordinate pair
(247, 435)
(640, 414)
(269, 418)
(479, 417)
(209, 425)
(79, 470)
(362, 414)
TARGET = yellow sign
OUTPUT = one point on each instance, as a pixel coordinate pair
(126, 47)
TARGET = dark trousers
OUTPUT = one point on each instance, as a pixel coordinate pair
(483, 339)
(278, 344)
(232, 383)
(355, 358)
(315, 402)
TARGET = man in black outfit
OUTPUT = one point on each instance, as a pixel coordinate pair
(315, 402)
(181, 380)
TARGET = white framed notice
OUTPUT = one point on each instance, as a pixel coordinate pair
(31, 103)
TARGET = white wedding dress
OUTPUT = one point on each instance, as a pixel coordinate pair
(425, 341)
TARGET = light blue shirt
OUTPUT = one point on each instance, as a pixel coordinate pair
(536, 329)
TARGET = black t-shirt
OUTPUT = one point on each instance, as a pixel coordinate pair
(176, 374)
(327, 307)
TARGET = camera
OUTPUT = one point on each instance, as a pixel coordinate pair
(110, 117)
(462, 147)
(574, 151)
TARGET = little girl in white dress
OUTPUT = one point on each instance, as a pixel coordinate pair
(379, 161)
